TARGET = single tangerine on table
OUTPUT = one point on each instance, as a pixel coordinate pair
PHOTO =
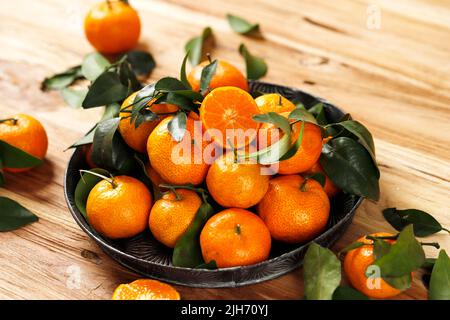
(171, 215)
(238, 184)
(274, 102)
(356, 262)
(145, 289)
(330, 188)
(235, 237)
(136, 138)
(26, 133)
(295, 210)
(112, 27)
(185, 167)
(230, 110)
(119, 207)
(225, 75)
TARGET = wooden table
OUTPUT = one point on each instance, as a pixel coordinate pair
(387, 64)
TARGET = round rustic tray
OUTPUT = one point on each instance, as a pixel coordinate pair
(146, 256)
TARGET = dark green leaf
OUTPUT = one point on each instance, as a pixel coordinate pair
(318, 111)
(275, 119)
(179, 100)
(429, 264)
(177, 126)
(106, 89)
(13, 157)
(352, 246)
(302, 114)
(183, 76)
(13, 215)
(440, 278)
(322, 273)
(401, 283)
(256, 67)
(74, 97)
(348, 293)
(141, 62)
(208, 73)
(293, 149)
(128, 78)
(195, 46)
(348, 164)
(405, 256)
(423, 223)
(187, 252)
(242, 26)
(111, 111)
(169, 84)
(62, 80)
(211, 265)
(84, 187)
(94, 64)
(109, 150)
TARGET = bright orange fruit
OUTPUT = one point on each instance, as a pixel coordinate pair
(274, 102)
(145, 289)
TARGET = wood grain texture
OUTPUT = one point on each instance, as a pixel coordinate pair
(395, 79)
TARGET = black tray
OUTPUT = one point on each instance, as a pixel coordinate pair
(146, 256)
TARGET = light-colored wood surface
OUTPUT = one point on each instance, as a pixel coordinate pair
(395, 79)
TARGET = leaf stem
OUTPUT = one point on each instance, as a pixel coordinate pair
(445, 229)
(110, 179)
(431, 244)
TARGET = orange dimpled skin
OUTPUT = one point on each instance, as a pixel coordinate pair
(112, 27)
(181, 162)
(136, 138)
(235, 237)
(170, 217)
(307, 154)
(236, 184)
(145, 289)
(274, 102)
(294, 211)
(355, 264)
(26, 133)
(225, 75)
(229, 110)
(120, 210)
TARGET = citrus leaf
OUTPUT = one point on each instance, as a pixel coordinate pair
(348, 164)
(84, 187)
(440, 278)
(194, 47)
(348, 293)
(94, 64)
(405, 256)
(208, 73)
(242, 26)
(187, 252)
(318, 111)
(293, 149)
(169, 84)
(401, 283)
(106, 89)
(177, 126)
(302, 114)
(142, 63)
(183, 76)
(256, 67)
(128, 78)
(352, 246)
(322, 273)
(13, 215)
(74, 97)
(13, 157)
(62, 80)
(274, 118)
(423, 223)
(380, 248)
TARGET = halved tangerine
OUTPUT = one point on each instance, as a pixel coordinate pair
(145, 289)
(226, 113)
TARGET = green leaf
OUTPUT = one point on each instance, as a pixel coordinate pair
(302, 114)
(13, 215)
(169, 84)
(177, 126)
(94, 64)
(423, 223)
(440, 278)
(74, 97)
(380, 248)
(401, 283)
(322, 273)
(348, 293)
(128, 78)
(276, 119)
(84, 187)
(106, 89)
(62, 80)
(208, 73)
(318, 111)
(242, 26)
(405, 256)
(348, 164)
(429, 264)
(109, 150)
(183, 76)
(13, 157)
(142, 63)
(187, 252)
(352, 246)
(293, 149)
(256, 67)
(194, 47)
